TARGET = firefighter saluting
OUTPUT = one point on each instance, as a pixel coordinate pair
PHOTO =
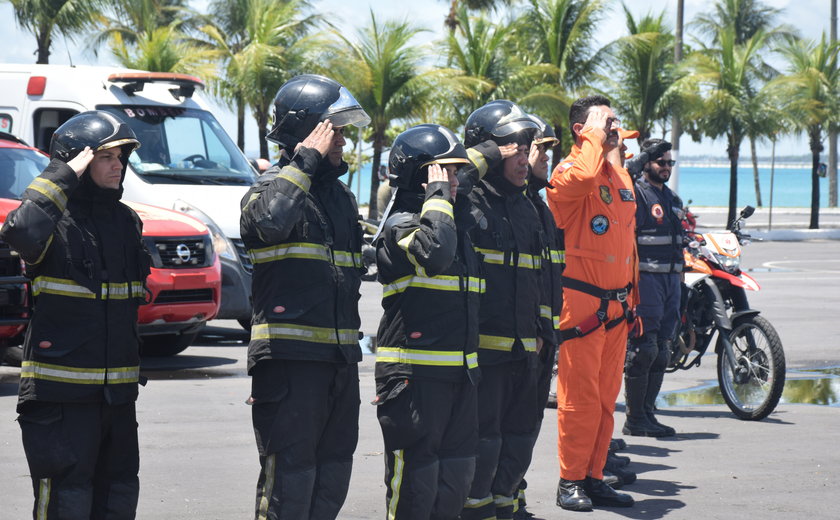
(426, 360)
(299, 224)
(86, 257)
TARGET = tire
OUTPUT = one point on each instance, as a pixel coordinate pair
(14, 355)
(165, 345)
(245, 323)
(2, 354)
(759, 351)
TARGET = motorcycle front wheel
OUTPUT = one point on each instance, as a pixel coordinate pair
(753, 390)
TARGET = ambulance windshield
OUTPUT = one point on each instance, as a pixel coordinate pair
(180, 144)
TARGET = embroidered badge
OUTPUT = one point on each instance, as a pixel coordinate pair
(606, 196)
(626, 195)
(600, 224)
(657, 212)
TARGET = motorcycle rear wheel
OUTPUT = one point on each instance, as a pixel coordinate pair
(754, 393)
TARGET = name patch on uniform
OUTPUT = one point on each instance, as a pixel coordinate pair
(600, 224)
(606, 196)
(657, 211)
(626, 195)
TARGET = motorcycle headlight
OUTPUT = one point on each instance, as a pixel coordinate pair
(221, 244)
(730, 264)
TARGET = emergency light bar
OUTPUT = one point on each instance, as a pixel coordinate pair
(135, 81)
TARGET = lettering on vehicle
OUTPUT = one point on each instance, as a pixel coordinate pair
(606, 196)
(279, 309)
(599, 224)
(626, 195)
(416, 335)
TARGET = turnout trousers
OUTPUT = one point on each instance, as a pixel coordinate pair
(430, 430)
(507, 422)
(589, 375)
(83, 459)
(306, 421)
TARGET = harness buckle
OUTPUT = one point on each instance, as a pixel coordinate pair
(621, 295)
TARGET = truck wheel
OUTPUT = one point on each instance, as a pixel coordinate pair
(14, 355)
(164, 345)
(2, 354)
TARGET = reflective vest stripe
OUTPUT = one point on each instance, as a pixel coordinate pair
(303, 333)
(290, 250)
(396, 482)
(494, 256)
(529, 261)
(43, 499)
(545, 311)
(82, 376)
(50, 190)
(440, 358)
(475, 503)
(443, 206)
(660, 240)
(346, 259)
(404, 244)
(558, 256)
(439, 283)
(268, 487)
(472, 359)
(556, 321)
(502, 501)
(505, 344)
(478, 160)
(44, 253)
(656, 267)
(65, 287)
(296, 177)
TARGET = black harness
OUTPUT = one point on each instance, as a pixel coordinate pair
(593, 322)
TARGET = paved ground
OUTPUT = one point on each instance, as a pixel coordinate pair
(198, 458)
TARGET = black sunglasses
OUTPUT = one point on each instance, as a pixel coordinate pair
(662, 163)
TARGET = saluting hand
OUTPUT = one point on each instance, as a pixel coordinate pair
(534, 156)
(436, 174)
(597, 120)
(81, 161)
(320, 139)
(509, 150)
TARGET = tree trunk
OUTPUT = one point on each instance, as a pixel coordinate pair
(451, 21)
(44, 42)
(755, 173)
(733, 151)
(557, 151)
(262, 123)
(816, 148)
(378, 142)
(240, 124)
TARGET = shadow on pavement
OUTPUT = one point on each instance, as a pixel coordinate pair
(640, 468)
(222, 337)
(646, 451)
(650, 508)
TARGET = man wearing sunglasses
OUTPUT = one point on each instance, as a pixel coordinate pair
(659, 235)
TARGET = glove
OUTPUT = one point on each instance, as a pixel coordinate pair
(635, 165)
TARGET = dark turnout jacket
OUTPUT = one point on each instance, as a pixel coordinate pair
(88, 263)
(431, 292)
(554, 257)
(300, 226)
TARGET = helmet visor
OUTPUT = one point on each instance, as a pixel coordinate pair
(515, 121)
(346, 111)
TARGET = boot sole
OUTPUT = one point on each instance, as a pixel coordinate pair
(643, 433)
(576, 507)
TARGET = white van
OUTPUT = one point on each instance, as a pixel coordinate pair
(186, 161)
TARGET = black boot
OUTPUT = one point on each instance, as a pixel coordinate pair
(617, 444)
(654, 384)
(570, 495)
(637, 423)
(619, 460)
(613, 481)
(627, 476)
(603, 495)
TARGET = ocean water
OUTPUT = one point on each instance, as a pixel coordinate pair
(710, 187)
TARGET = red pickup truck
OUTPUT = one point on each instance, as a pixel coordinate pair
(185, 283)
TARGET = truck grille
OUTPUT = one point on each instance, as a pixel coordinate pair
(244, 259)
(184, 296)
(181, 253)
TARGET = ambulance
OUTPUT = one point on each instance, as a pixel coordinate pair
(186, 161)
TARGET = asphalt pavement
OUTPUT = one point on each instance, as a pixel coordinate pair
(198, 456)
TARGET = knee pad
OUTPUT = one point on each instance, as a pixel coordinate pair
(641, 353)
(453, 486)
(663, 357)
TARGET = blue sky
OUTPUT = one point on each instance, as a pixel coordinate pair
(811, 17)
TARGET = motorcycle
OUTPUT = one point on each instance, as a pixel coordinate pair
(751, 360)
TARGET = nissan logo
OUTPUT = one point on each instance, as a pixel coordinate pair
(183, 252)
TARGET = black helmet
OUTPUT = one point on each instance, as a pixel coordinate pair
(97, 129)
(499, 121)
(419, 147)
(304, 101)
(546, 134)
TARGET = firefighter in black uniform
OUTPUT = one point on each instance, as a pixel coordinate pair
(426, 357)
(659, 235)
(300, 226)
(86, 257)
(511, 334)
(553, 258)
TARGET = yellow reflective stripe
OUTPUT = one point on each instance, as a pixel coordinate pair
(440, 283)
(289, 250)
(558, 256)
(50, 190)
(478, 160)
(530, 344)
(347, 259)
(82, 376)
(475, 503)
(43, 500)
(472, 359)
(545, 311)
(44, 253)
(556, 321)
(48, 285)
(443, 206)
(495, 342)
(396, 482)
(268, 487)
(303, 333)
(115, 291)
(529, 261)
(492, 256)
(502, 501)
(403, 243)
(296, 177)
(137, 290)
(440, 358)
(475, 284)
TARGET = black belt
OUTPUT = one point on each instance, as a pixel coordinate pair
(595, 321)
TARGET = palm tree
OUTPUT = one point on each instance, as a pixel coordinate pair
(641, 72)
(812, 87)
(130, 19)
(453, 19)
(560, 33)
(163, 49)
(46, 19)
(723, 77)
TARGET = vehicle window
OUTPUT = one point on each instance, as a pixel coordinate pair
(45, 122)
(179, 145)
(6, 123)
(18, 168)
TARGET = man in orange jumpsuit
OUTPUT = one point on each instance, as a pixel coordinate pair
(591, 197)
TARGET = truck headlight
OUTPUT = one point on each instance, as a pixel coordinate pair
(221, 244)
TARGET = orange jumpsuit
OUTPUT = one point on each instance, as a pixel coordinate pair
(593, 202)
